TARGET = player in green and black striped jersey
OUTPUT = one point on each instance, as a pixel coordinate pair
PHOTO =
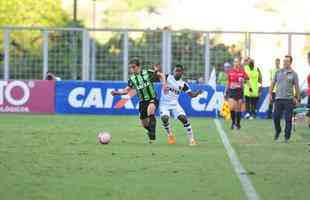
(141, 81)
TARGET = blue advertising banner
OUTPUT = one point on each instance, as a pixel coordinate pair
(89, 97)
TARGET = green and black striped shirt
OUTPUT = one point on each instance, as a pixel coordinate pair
(143, 84)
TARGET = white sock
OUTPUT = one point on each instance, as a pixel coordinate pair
(167, 128)
(189, 131)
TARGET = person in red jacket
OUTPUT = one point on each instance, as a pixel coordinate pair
(234, 92)
(308, 92)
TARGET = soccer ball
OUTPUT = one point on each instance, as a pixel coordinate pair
(104, 137)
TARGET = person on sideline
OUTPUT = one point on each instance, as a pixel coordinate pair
(234, 92)
(272, 72)
(287, 95)
(251, 98)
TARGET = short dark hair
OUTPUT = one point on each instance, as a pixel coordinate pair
(308, 54)
(179, 66)
(135, 61)
(251, 64)
(290, 57)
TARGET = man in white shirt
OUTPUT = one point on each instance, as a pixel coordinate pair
(169, 104)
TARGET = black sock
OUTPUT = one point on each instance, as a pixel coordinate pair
(238, 118)
(148, 128)
(233, 117)
(152, 127)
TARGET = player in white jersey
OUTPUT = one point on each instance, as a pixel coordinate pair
(169, 104)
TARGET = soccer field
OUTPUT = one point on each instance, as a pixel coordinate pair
(57, 157)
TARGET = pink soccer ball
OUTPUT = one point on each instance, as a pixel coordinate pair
(104, 137)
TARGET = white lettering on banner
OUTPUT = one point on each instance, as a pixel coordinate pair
(94, 98)
(196, 104)
(72, 98)
(216, 101)
(108, 98)
(6, 92)
(14, 109)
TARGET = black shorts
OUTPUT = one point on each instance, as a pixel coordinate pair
(308, 106)
(143, 105)
(236, 94)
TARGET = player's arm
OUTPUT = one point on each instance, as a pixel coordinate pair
(260, 81)
(189, 92)
(194, 94)
(157, 72)
(248, 82)
(124, 91)
(272, 85)
(297, 90)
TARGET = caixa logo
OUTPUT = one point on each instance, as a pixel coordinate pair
(80, 97)
(15, 93)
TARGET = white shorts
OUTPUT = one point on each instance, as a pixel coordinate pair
(171, 110)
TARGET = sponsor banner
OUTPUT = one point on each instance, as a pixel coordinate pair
(80, 97)
(27, 96)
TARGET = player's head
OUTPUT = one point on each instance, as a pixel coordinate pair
(236, 62)
(134, 65)
(287, 61)
(278, 62)
(50, 76)
(308, 57)
(178, 71)
(246, 60)
(251, 63)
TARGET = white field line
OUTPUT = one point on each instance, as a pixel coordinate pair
(246, 183)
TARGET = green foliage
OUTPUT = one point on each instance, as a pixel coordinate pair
(26, 45)
(30, 13)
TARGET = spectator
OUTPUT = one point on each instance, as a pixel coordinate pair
(287, 95)
(246, 61)
(222, 75)
(272, 72)
(51, 77)
(251, 97)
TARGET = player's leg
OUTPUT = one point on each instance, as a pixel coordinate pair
(238, 113)
(288, 107)
(254, 106)
(247, 107)
(164, 116)
(180, 114)
(151, 108)
(144, 118)
(232, 104)
(278, 112)
(239, 103)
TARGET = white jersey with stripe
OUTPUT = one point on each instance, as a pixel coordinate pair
(175, 87)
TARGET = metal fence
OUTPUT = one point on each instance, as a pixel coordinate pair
(103, 54)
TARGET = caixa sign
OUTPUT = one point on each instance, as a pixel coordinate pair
(27, 96)
(93, 98)
(76, 97)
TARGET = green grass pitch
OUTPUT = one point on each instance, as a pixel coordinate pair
(57, 157)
